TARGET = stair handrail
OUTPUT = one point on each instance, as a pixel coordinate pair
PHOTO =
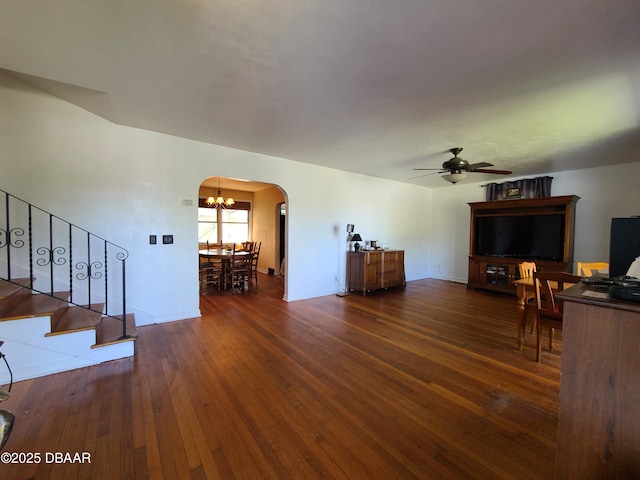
(54, 255)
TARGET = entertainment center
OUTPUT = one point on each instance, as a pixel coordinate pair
(505, 233)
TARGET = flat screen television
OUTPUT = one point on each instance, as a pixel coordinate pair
(536, 237)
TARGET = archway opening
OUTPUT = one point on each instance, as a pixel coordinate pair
(250, 218)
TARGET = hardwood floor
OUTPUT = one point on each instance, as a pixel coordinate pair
(425, 383)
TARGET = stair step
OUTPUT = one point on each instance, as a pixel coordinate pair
(109, 331)
(14, 287)
(75, 319)
(30, 306)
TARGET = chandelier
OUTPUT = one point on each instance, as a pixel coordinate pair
(219, 201)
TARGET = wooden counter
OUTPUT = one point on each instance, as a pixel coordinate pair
(599, 406)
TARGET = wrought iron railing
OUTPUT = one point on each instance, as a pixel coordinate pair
(53, 257)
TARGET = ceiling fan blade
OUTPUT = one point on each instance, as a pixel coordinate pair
(473, 166)
(428, 168)
(498, 172)
(424, 175)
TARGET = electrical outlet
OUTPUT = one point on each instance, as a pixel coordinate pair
(167, 239)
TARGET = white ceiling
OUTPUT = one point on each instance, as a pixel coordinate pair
(370, 86)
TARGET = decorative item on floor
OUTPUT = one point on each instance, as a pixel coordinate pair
(6, 418)
(356, 238)
(219, 201)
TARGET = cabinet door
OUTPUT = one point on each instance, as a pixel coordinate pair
(355, 271)
(393, 269)
(497, 275)
(373, 270)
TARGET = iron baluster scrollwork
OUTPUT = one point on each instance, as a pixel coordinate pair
(8, 241)
(91, 270)
(50, 256)
(54, 242)
(7, 237)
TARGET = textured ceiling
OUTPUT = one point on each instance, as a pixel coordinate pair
(374, 87)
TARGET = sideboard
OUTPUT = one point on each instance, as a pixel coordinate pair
(371, 270)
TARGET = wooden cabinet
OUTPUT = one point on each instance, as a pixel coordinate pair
(498, 274)
(599, 404)
(375, 269)
(497, 270)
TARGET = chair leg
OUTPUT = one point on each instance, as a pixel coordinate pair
(534, 322)
(538, 343)
(551, 338)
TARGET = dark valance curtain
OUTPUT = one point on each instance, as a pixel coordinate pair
(526, 188)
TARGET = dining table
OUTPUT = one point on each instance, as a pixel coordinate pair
(223, 254)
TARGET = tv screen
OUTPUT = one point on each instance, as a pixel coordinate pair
(539, 237)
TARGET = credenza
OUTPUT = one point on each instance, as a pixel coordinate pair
(375, 269)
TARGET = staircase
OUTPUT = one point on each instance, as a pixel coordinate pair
(61, 304)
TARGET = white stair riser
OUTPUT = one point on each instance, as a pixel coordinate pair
(32, 354)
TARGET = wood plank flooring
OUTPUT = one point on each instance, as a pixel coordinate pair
(419, 383)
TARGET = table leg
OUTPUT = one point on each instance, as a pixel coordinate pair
(521, 293)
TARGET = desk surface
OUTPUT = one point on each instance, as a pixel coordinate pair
(592, 295)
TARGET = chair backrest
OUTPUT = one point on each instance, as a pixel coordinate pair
(527, 269)
(547, 285)
(587, 269)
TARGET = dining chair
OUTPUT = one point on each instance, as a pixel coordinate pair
(526, 271)
(586, 269)
(240, 270)
(549, 308)
(211, 272)
(254, 261)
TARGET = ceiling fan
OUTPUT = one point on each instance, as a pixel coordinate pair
(458, 168)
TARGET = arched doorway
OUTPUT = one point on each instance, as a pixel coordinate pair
(254, 220)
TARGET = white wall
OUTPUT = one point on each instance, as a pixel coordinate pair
(124, 184)
(605, 193)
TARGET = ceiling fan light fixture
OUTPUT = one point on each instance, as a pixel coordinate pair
(455, 177)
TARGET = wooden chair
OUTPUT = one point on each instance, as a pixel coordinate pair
(211, 272)
(527, 270)
(240, 270)
(549, 309)
(254, 261)
(586, 269)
